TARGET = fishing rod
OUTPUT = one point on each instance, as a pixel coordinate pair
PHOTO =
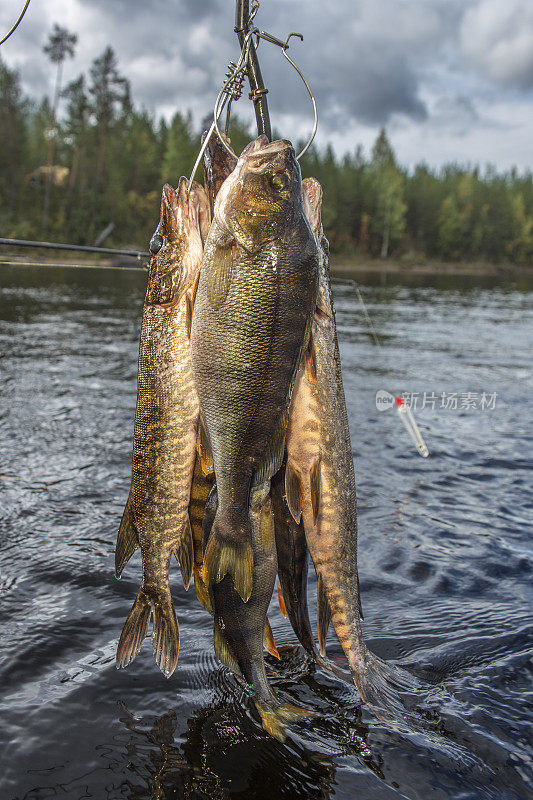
(258, 91)
(138, 254)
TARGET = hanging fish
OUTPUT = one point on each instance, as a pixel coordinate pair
(218, 165)
(254, 305)
(240, 629)
(164, 447)
(320, 484)
(293, 559)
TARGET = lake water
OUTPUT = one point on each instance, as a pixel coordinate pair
(445, 562)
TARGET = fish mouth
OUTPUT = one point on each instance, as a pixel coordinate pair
(272, 155)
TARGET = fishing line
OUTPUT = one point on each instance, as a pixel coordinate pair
(404, 412)
(75, 266)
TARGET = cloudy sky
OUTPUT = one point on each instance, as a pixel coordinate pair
(452, 80)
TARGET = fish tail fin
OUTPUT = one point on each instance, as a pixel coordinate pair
(268, 641)
(134, 631)
(185, 554)
(380, 684)
(229, 556)
(166, 637)
(127, 539)
(201, 590)
(276, 719)
(330, 666)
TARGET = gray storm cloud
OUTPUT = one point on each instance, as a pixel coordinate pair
(498, 38)
(417, 64)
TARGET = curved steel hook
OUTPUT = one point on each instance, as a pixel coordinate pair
(217, 111)
(315, 125)
(240, 67)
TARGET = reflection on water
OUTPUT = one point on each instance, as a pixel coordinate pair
(444, 554)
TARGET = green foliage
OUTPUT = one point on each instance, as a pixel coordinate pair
(181, 149)
(60, 44)
(112, 158)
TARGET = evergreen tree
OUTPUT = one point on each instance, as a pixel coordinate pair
(76, 129)
(13, 136)
(371, 205)
(110, 92)
(388, 222)
(181, 150)
(60, 44)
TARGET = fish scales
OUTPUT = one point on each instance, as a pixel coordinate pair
(166, 419)
(320, 484)
(239, 627)
(254, 305)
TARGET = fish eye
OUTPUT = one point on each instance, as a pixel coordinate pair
(156, 243)
(280, 181)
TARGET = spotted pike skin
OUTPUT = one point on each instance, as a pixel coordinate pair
(318, 432)
(200, 488)
(250, 324)
(164, 441)
(218, 165)
(166, 420)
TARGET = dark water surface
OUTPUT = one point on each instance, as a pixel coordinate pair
(445, 563)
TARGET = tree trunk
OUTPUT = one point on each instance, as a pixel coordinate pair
(72, 182)
(51, 149)
(101, 155)
(385, 240)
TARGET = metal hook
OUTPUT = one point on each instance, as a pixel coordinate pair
(268, 37)
(253, 12)
(239, 68)
(315, 125)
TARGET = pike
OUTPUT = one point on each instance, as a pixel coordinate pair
(254, 305)
(320, 485)
(166, 419)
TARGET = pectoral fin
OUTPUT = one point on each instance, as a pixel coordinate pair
(293, 491)
(185, 554)
(315, 482)
(281, 601)
(268, 641)
(188, 317)
(310, 360)
(273, 456)
(203, 446)
(220, 275)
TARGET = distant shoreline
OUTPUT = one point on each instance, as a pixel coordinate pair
(340, 267)
(343, 266)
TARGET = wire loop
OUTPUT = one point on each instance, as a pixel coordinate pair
(233, 82)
